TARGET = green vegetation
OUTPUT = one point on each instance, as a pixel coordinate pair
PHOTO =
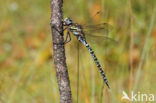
(27, 73)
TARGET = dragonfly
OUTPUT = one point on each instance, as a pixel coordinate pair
(79, 31)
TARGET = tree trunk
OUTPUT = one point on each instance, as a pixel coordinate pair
(59, 52)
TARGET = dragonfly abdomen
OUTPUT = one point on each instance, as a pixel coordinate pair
(97, 64)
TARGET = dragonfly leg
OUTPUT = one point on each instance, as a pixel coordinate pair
(54, 27)
(61, 33)
(68, 35)
(65, 28)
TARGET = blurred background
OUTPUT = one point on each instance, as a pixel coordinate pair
(27, 73)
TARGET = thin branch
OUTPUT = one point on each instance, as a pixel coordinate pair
(59, 52)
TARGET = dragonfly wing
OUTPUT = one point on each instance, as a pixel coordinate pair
(100, 39)
(103, 28)
(96, 25)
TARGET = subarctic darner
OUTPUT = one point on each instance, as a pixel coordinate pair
(77, 30)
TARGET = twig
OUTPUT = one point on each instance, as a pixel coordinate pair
(59, 52)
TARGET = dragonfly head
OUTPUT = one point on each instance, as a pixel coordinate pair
(67, 21)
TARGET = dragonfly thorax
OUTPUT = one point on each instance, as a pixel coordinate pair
(67, 21)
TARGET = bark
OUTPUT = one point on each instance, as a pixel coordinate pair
(59, 52)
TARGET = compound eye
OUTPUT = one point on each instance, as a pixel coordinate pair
(69, 22)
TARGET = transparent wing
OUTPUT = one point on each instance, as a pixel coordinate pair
(103, 28)
(101, 25)
(102, 40)
(99, 37)
(99, 33)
